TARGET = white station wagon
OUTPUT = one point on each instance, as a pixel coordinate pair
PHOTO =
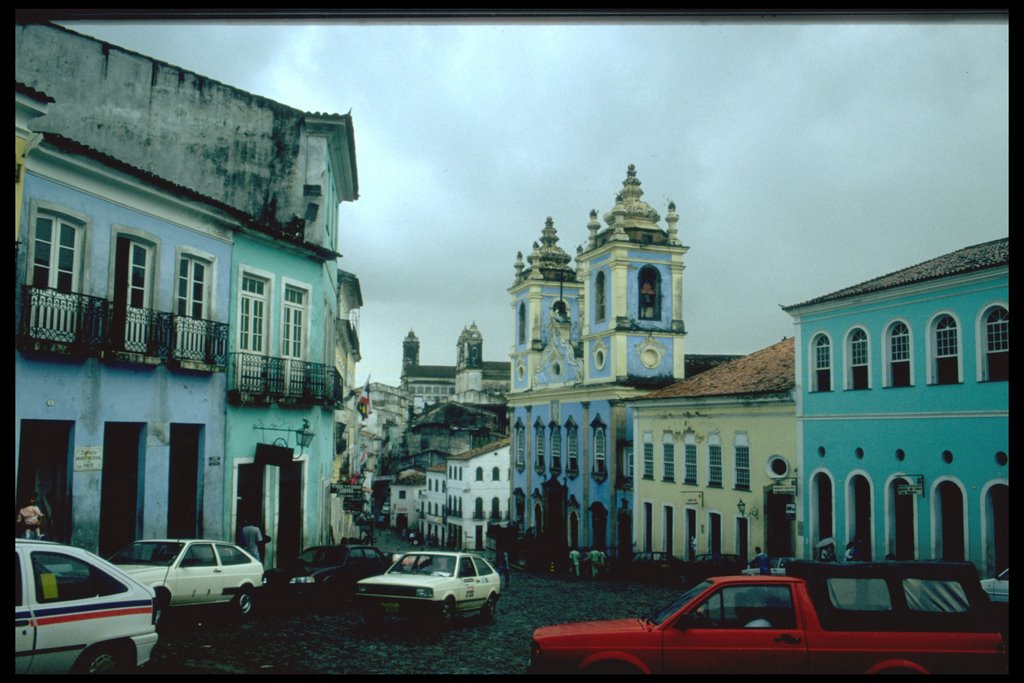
(437, 585)
(193, 572)
(75, 612)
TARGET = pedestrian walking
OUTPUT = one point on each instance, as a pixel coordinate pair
(504, 570)
(251, 539)
(574, 562)
(761, 561)
(597, 560)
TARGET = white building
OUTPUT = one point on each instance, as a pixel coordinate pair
(478, 491)
(406, 492)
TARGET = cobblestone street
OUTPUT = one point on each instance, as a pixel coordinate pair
(293, 640)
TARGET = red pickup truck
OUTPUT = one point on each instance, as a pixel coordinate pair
(862, 617)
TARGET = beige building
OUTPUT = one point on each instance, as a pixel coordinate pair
(714, 460)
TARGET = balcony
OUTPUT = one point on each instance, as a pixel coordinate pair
(257, 379)
(80, 326)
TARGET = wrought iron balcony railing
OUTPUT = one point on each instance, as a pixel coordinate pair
(77, 324)
(253, 377)
(62, 321)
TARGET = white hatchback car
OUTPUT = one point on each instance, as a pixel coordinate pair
(438, 585)
(75, 612)
(193, 572)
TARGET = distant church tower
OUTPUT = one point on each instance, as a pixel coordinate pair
(410, 351)
(469, 369)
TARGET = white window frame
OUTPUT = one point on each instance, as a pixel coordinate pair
(266, 334)
(648, 456)
(668, 458)
(815, 366)
(208, 261)
(934, 350)
(887, 342)
(287, 326)
(690, 458)
(79, 222)
(984, 340)
(572, 445)
(853, 356)
(715, 453)
(539, 460)
(600, 450)
(741, 442)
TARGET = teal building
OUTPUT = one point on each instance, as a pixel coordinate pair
(902, 412)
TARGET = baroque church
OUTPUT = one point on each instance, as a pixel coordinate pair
(472, 380)
(588, 339)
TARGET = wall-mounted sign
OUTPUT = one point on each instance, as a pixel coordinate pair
(352, 504)
(89, 459)
(914, 488)
(790, 511)
(213, 461)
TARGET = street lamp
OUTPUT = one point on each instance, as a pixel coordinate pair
(304, 436)
(742, 507)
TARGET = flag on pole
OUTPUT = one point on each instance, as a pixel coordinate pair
(363, 406)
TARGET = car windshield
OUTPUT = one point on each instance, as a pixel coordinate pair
(658, 616)
(425, 564)
(157, 553)
(324, 556)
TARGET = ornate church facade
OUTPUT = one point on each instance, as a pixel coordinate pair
(588, 340)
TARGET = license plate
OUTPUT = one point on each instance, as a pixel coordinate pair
(389, 606)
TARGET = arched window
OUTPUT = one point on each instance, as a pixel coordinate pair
(649, 280)
(572, 440)
(858, 359)
(600, 451)
(822, 380)
(496, 474)
(997, 345)
(600, 307)
(521, 323)
(556, 447)
(947, 351)
(478, 509)
(479, 473)
(520, 444)
(899, 355)
(538, 434)
(495, 508)
(559, 311)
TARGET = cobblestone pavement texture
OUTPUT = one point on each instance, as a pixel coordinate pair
(292, 639)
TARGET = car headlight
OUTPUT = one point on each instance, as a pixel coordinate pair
(424, 592)
(362, 589)
(303, 579)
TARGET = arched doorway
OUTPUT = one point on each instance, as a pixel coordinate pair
(599, 526)
(625, 532)
(902, 531)
(950, 543)
(997, 528)
(821, 506)
(860, 531)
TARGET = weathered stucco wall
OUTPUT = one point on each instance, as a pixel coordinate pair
(244, 150)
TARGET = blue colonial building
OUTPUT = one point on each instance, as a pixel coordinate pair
(122, 345)
(177, 299)
(903, 390)
(588, 339)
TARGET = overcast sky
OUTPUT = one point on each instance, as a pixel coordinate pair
(803, 156)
